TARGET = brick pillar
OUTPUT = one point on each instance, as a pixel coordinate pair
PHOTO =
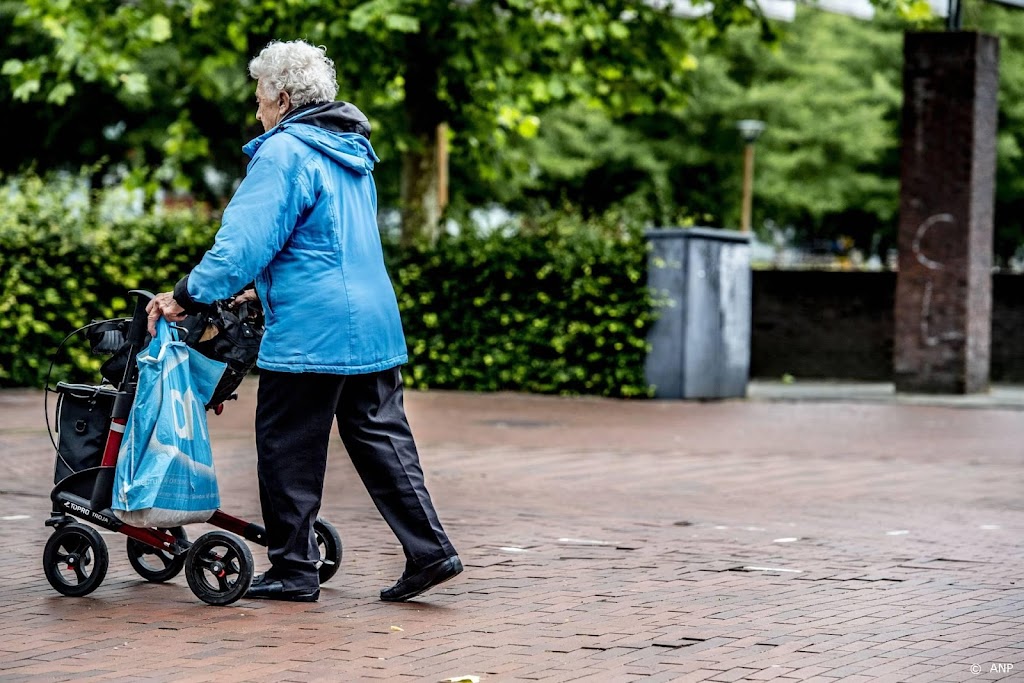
(944, 287)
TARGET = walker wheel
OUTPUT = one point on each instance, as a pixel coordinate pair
(219, 568)
(328, 542)
(156, 564)
(75, 560)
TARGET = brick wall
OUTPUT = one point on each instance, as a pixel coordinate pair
(1007, 328)
(839, 325)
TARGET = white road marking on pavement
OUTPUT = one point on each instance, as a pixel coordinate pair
(785, 540)
(11, 518)
(583, 541)
(773, 569)
(512, 549)
(897, 532)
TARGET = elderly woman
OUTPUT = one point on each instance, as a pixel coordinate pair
(302, 224)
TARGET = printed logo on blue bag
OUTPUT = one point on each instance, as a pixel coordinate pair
(186, 409)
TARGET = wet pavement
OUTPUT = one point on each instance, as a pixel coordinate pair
(812, 532)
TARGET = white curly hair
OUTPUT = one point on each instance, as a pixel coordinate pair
(302, 70)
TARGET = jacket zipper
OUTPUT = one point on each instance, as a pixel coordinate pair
(270, 306)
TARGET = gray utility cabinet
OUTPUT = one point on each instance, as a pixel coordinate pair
(700, 345)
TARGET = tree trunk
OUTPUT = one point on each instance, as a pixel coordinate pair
(421, 208)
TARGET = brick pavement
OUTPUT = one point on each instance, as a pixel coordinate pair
(603, 541)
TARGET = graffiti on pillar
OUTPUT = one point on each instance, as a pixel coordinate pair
(929, 336)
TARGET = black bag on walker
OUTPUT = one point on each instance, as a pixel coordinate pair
(83, 418)
(227, 334)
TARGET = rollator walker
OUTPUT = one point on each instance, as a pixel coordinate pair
(91, 420)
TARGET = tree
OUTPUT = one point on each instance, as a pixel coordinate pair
(831, 99)
(1008, 24)
(829, 90)
(828, 166)
(176, 70)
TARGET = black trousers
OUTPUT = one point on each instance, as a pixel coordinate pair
(294, 415)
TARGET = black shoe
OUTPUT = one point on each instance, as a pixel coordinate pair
(411, 585)
(263, 589)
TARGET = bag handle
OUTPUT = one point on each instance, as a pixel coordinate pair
(165, 334)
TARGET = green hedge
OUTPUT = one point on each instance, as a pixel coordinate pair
(560, 306)
(66, 260)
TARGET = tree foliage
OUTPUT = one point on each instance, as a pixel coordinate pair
(170, 74)
(548, 102)
(1008, 24)
(829, 91)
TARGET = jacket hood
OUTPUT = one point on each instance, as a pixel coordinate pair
(338, 117)
(338, 130)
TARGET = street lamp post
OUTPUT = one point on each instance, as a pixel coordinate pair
(750, 131)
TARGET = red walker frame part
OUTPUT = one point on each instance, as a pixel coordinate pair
(236, 526)
(114, 436)
(151, 537)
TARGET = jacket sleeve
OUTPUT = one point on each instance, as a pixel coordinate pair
(257, 223)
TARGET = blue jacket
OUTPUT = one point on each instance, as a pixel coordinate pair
(303, 225)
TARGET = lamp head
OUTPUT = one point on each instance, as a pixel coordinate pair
(750, 130)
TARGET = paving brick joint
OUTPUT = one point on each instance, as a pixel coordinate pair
(742, 540)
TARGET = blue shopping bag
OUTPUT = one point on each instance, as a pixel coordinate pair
(164, 475)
